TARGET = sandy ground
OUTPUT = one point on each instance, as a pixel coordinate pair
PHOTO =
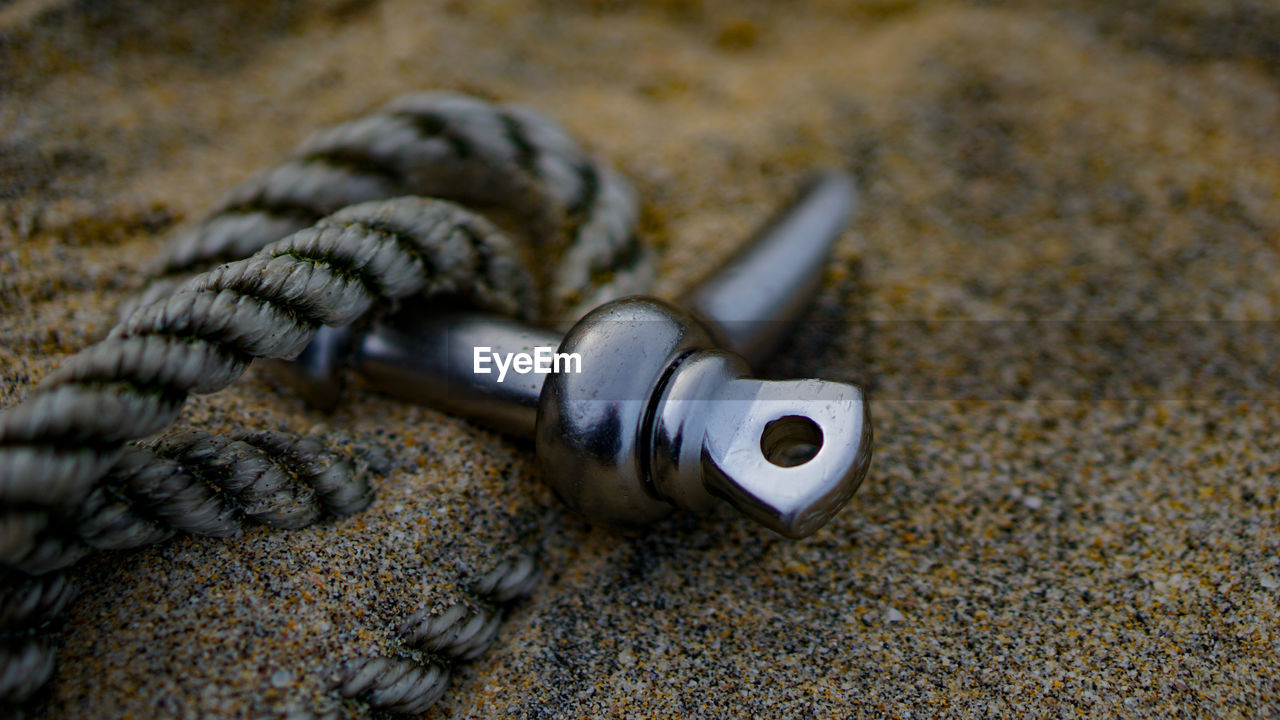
(1090, 534)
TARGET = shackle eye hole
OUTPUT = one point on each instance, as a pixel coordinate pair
(791, 440)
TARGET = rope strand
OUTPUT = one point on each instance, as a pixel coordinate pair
(200, 339)
(461, 633)
(326, 243)
(450, 146)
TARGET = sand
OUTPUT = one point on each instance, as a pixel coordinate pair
(1090, 534)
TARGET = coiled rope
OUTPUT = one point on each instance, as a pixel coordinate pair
(28, 605)
(454, 147)
(408, 684)
(64, 462)
(194, 482)
(58, 443)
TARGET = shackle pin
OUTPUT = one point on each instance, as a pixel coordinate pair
(638, 410)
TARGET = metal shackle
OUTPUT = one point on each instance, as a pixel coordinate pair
(661, 412)
(662, 419)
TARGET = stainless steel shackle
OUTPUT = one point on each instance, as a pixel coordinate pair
(659, 410)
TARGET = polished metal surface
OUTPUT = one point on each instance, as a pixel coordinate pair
(427, 356)
(658, 416)
(754, 300)
(664, 420)
(593, 437)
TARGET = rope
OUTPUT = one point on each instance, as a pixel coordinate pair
(66, 436)
(28, 605)
(29, 602)
(25, 666)
(449, 146)
(326, 246)
(203, 484)
(56, 446)
(413, 682)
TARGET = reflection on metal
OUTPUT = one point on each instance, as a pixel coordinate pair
(664, 413)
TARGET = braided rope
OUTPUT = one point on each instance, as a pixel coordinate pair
(27, 604)
(193, 482)
(449, 146)
(461, 632)
(68, 482)
(61, 440)
(413, 682)
(337, 488)
(396, 684)
(143, 500)
(58, 445)
(202, 484)
(25, 666)
(39, 541)
(509, 581)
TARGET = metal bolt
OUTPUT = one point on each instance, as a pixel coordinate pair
(659, 416)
